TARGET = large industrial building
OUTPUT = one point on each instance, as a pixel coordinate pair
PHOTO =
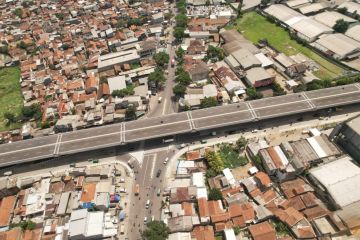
(338, 184)
(348, 136)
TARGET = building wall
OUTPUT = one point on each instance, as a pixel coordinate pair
(350, 141)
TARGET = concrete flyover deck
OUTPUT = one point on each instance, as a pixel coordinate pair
(172, 124)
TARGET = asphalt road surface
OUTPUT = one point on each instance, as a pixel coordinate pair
(176, 123)
(149, 184)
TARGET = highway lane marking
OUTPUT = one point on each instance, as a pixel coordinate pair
(312, 105)
(164, 107)
(109, 134)
(251, 109)
(191, 123)
(153, 161)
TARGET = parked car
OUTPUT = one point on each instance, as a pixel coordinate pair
(158, 173)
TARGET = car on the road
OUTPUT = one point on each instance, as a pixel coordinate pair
(145, 219)
(254, 131)
(147, 204)
(158, 173)
(166, 160)
(203, 141)
(158, 192)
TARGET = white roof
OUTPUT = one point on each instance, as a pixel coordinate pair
(265, 61)
(295, 3)
(201, 192)
(282, 12)
(329, 18)
(281, 155)
(339, 43)
(315, 132)
(180, 236)
(116, 83)
(229, 234)
(198, 179)
(315, 7)
(354, 32)
(229, 176)
(210, 90)
(311, 28)
(341, 178)
(317, 148)
(95, 222)
(350, 6)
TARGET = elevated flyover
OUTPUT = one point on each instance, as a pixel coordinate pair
(172, 124)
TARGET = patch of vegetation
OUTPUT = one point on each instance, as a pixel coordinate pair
(326, 83)
(230, 157)
(341, 26)
(209, 102)
(24, 225)
(253, 94)
(161, 59)
(281, 229)
(129, 90)
(156, 230)
(215, 162)
(256, 27)
(214, 54)
(10, 97)
(157, 77)
(215, 194)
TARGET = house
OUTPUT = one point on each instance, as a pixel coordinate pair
(116, 83)
(258, 77)
(199, 71)
(262, 231)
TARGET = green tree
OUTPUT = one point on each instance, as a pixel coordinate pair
(183, 78)
(215, 194)
(265, 2)
(214, 161)
(156, 230)
(209, 102)
(214, 54)
(168, 16)
(22, 45)
(341, 26)
(120, 23)
(252, 94)
(241, 143)
(179, 70)
(130, 113)
(210, 173)
(237, 230)
(299, 88)
(103, 79)
(18, 12)
(129, 90)
(134, 21)
(60, 16)
(181, 20)
(158, 77)
(4, 49)
(179, 33)
(10, 117)
(180, 53)
(161, 59)
(179, 89)
(278, 90)
(342, 10)
(32, 111)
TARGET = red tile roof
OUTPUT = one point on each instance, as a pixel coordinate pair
(7, 205)
(262, 231)
(203, 207)
(263, 178)
(203, 233)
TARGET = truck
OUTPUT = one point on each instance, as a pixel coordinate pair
(173, 62)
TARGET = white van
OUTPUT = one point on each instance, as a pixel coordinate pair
(147, 204)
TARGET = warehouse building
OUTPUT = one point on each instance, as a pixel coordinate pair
(297, 3)
(329, 18)
(309, 29)
(348, 137)
(110, 60)
(351, 7)
(338, 182)
(338, 46)
(284, 14)
(354, 32)
(258, 77)
(313, 8)
(246, 59)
